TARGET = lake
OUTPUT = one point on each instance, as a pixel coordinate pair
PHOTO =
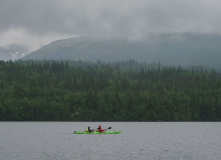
(138, 141)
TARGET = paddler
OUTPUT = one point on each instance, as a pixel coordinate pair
(89, 129)
(99, 129)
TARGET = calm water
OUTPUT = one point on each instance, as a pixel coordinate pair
(138, 141)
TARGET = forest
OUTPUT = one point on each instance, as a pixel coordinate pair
(118, 91)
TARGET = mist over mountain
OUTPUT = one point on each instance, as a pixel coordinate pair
(12, 52)
(169, 49)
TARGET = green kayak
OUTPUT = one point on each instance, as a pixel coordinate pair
(108, 132)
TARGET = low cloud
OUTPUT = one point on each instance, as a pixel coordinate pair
(21, 37)
(36, 23)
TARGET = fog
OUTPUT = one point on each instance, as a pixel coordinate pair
(36, 23)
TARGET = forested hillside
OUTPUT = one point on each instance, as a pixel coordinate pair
(121, 91)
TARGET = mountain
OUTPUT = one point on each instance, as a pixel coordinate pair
(12, 52)
(172, 49)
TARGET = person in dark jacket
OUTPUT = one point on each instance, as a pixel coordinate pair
(89, 129)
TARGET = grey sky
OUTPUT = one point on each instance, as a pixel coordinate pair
(37, 22)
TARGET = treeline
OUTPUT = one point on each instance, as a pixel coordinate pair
(121, 91)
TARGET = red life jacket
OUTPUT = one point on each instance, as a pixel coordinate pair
(99, 129)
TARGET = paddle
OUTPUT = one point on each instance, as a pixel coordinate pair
(104, 129)
(108, 128)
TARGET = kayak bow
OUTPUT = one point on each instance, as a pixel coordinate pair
(108, 132)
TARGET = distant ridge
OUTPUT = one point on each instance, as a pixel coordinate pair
(186, 49)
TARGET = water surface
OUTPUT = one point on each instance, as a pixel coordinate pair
(138, 141)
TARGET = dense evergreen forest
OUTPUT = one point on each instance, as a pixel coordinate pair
(120, 91)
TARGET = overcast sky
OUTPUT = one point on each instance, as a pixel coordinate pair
(37, 22)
